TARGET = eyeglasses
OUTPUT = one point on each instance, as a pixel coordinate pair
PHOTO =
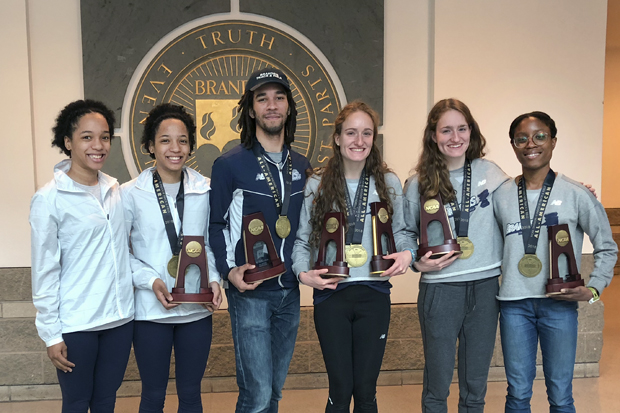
(539, 139)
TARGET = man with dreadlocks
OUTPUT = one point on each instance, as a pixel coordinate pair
(264, 316)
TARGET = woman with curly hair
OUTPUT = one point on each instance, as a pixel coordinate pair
(352, 314)
(457, 293)
(81, 279)
(163, 204)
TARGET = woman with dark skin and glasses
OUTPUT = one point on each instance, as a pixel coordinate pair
(525, 208)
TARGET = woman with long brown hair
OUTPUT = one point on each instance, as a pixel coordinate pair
(352, 314)
(457, 293)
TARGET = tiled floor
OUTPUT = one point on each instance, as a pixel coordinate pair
(599, 395)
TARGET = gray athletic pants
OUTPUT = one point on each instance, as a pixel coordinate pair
(466, 311)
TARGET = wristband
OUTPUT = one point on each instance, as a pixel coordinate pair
(595, 295)
(412, 256)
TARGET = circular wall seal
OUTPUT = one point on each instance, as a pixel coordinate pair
(205, 70)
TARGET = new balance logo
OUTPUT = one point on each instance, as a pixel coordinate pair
(484, 181)
(260, 177)
(382, 337)
(557, 202)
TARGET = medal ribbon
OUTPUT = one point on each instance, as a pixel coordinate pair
(176, 242)
(461, 216)
(282, 202)
(531, 230)
(356, 214)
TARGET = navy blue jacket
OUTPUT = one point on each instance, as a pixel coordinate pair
(239, 188)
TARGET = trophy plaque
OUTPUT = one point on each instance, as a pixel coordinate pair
(560, 243)
(433, 210)
(333, 230)
(257, 237)
(192, 252)
(381, 225)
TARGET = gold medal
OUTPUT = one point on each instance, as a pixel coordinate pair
(193, 249)
(283, 226)
(467, 247)
(562, 238)
(530, 265)
(356, 255)
(173, 266)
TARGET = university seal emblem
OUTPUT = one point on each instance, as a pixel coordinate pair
(205, 69)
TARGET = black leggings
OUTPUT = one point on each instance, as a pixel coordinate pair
(352, 326)
(100, 359)
(153, 343)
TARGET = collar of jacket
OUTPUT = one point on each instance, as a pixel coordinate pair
(193, 182)
(65, 183)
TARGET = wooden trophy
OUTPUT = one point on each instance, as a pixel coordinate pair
(433, 210)
(381, 225)
(192, 252)
(560, 243)
(255, 231)
(333, 230)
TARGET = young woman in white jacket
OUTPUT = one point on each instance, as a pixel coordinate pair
(81, 279)
(169, 137)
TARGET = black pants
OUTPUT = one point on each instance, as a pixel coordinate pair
(100, 359)
(352, 326)
(152, 345)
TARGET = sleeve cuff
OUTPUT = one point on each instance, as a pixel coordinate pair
(224, 275)
(53, 341)
(598, 286)
(151, 282)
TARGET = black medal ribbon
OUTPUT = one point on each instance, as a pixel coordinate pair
(356, 214)
(282, 201)
(176, 242)
(531, 230)
(461, 216)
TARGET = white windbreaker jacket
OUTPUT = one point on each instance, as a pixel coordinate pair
(81, 278)
(151, 248)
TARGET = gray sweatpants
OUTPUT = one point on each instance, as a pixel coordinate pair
(466, 311)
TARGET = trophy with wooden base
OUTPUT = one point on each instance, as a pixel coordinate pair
(433, 210)
(560, 243)
(381, 229)
(257, 238)
(192, 252)
(333, 230)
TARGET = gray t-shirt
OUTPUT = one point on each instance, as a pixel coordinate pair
(275, 156)
(94, 189)
(172, 189)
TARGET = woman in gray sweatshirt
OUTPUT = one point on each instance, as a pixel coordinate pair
(527, 312)
(457, 298)
(351, 314)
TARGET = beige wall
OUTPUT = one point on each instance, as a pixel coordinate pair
(500, 59)
(611, 119)
(16, 157)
